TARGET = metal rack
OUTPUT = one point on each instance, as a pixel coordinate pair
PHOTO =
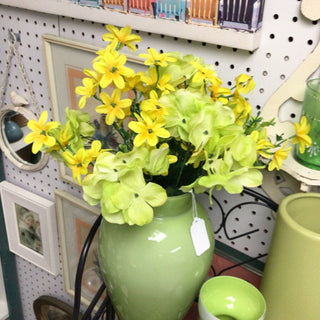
(105, 310)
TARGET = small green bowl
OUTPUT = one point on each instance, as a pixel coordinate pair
(230, 298)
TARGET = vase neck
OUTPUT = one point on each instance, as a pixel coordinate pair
(174, 206)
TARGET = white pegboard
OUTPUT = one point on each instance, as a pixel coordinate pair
(287, 39)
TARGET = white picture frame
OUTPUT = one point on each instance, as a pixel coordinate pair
(75, 219)
(31, 227)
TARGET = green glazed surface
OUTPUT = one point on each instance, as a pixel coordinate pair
(311, 109)
(230, 298)
(290, 282)
(152, 272)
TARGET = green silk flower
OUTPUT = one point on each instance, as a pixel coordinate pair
(182, 69)
(159, 160)
(182, 106)
(244, 151)
(136, 198)
(81, 130)
(223, 173)
(211, 118)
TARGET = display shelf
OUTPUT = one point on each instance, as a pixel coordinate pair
(226, 37)
(308, 177)
(3, 299)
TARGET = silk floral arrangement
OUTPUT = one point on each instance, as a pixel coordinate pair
(181, 131)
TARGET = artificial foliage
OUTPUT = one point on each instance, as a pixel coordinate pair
(180, 130)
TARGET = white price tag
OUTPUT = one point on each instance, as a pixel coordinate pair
(199, 236)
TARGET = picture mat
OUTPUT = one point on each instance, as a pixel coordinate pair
(15, 196)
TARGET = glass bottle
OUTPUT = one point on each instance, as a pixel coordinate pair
(311, 109)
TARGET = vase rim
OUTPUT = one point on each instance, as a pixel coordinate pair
(182, 200)
(310, 85)
(291, 221)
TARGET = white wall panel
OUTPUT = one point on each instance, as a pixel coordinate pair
(287, 39)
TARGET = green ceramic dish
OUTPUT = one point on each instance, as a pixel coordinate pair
(230, 298)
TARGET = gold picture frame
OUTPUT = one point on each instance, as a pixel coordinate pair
(75, 219)
(65, 60)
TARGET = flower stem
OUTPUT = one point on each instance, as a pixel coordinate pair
(184, 161)
(124, 135)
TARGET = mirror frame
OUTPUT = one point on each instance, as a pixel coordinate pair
(16, 160)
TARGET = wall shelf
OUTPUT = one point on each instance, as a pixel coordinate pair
(215, 35)
(308, 177)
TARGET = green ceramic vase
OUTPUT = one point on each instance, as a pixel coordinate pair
(290, 282)
(152, 272)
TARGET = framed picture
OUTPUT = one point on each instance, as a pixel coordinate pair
(65, 61)
(75, 219)
(49, 308)
(89, 3)
(31, 227)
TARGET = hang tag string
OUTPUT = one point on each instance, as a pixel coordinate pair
(198, 230)
(194, 205)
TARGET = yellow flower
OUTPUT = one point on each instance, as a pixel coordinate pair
(263, 145)
(133, 82)
(78, 163)
(302, 130)
(155, 58)
(204, 74)
(164, 85)
(90, 86)
(219, 93)
(244, 83)
(113, 106)
(152, 79)
(63, 136)
(122, 36)
(40, 134)
(240, 107)
(86, 91)
(153, 107)
(278, 157)
(112, 68)
(94, 151)
(148, 130)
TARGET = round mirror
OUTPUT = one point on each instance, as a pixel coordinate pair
(13, 122)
